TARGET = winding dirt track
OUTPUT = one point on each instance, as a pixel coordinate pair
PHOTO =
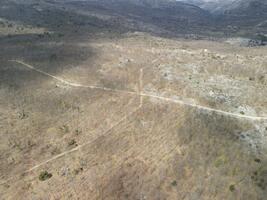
(108, 131)
(142, 94)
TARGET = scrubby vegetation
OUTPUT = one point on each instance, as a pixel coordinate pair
(44, 175)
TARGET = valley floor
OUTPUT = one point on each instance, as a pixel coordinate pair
(144, 118)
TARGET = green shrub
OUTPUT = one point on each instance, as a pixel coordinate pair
(232, 188)
(45, 175)
(174, 183)
(72, 143)
(262, 37)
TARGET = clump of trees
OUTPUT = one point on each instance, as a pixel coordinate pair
(262, 38)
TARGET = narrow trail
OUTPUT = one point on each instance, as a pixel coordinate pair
(142, 94)
(106, 133)
(204, 108)
(68, 82)
(109, 130)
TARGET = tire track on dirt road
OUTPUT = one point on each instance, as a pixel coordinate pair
(142, 94)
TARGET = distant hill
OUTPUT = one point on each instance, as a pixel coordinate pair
(171, 18)
(248, 15)
(168, 16)
(220, 6)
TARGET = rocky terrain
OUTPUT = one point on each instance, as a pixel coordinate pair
(130, 100)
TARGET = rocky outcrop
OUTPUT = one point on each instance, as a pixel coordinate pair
(245, 42)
